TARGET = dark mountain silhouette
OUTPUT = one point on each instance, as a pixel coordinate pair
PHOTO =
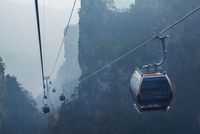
(102, 104)
(18, 113)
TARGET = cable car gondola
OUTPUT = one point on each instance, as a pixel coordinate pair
(54, 90)
(62, 97)
(46, 109)
(150, 89)
(45, 97)
(150, 86)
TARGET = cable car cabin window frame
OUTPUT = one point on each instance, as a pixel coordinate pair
(151, 94)
(158, 84)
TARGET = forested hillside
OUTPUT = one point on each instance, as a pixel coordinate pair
(18, 109)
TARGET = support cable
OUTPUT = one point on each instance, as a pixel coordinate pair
(61, 45)
(141, 45)
(40, 42)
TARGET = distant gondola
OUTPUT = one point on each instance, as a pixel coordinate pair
(46, 109)
(62, 97)
(45, 96)
(54, 90)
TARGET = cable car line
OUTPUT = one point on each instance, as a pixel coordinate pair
(40, 42)
(47, 78)
(142, 44)
(61, 45)
(121, 57)
(44, 33)
(46, 108)
(180, 20)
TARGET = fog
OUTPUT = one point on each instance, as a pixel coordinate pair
(121, 4)
(107, 73)
(19, 42)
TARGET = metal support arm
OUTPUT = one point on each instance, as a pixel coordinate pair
(162, 39)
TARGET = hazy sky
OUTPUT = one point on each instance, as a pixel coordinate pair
(19, 42)
(123, 3)
(55, 4)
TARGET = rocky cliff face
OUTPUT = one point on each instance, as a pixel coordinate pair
(69, 72)
(2, 87)
(2, 75)
(102, 104)
(106, 35)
